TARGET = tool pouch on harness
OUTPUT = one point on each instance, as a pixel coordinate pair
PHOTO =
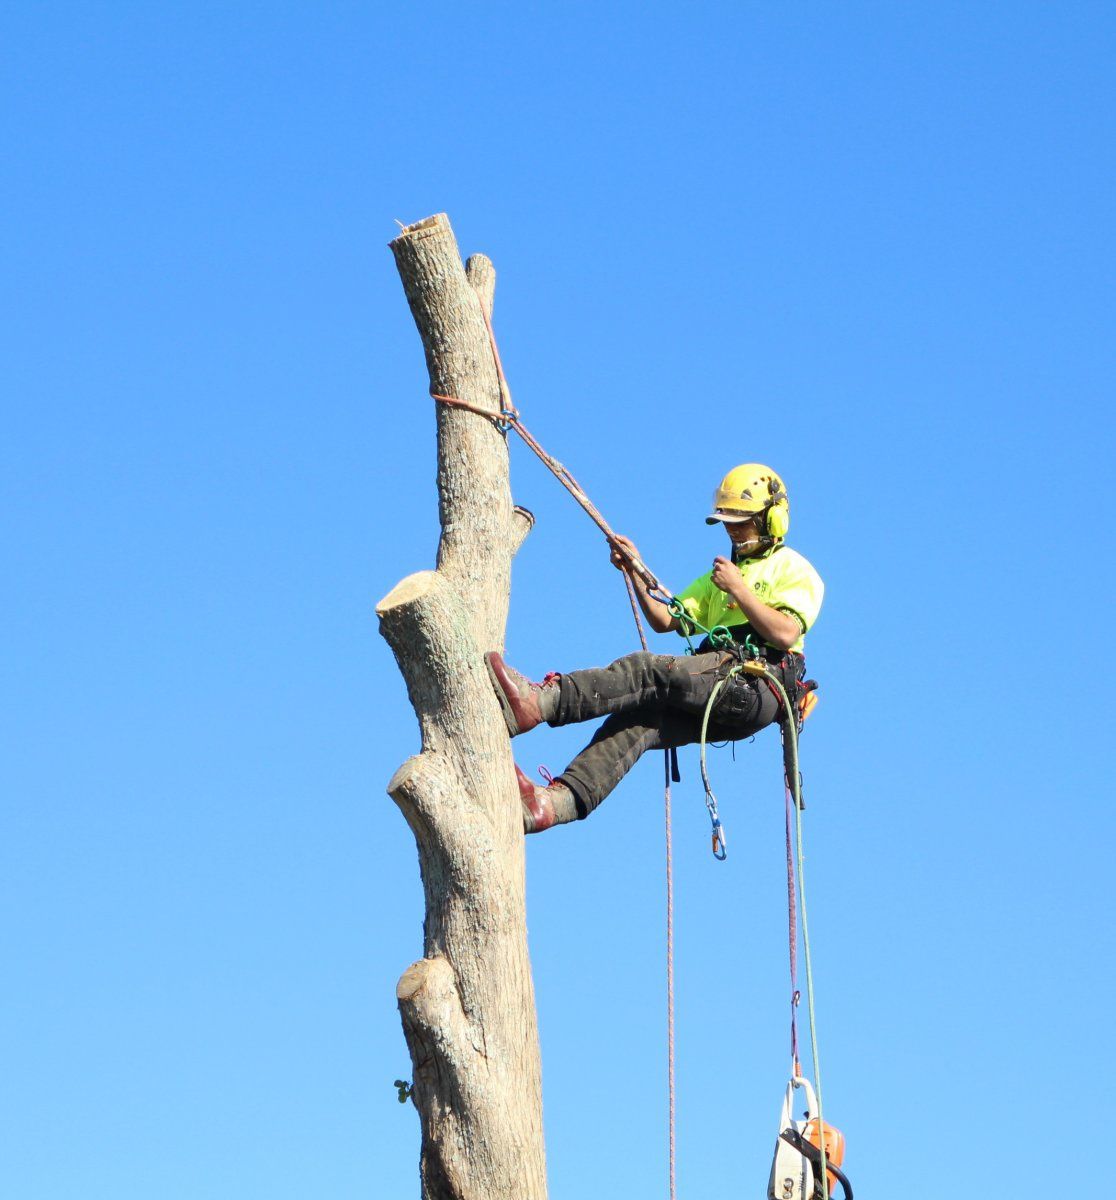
(737, 699)
(796, 1169)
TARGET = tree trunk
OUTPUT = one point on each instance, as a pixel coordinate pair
(468, 1004)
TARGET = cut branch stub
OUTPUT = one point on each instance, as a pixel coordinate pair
(481, 275)
(427, 624)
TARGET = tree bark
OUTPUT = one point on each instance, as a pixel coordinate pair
(468, 1004)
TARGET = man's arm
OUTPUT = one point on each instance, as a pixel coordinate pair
(657, 614)
(776, 627)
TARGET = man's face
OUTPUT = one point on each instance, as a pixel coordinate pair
(746, 536)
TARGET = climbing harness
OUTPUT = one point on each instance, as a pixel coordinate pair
(808, 1154)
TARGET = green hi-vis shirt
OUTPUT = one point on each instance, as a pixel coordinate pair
(781, 578)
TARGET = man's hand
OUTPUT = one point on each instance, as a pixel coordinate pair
(623, 550)
(627, 546)
(726, 575)
(774, 626)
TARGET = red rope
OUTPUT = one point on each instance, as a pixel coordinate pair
(669, 962)
(669, 911)
(792, 934)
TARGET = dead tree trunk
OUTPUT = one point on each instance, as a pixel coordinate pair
(468, 1004)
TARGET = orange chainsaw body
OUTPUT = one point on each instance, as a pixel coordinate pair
(834, 1145)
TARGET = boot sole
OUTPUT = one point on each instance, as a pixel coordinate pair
(505, 704)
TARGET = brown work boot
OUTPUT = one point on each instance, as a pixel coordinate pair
(544, 806)
(524, 704)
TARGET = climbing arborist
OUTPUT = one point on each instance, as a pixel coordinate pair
(765, 594)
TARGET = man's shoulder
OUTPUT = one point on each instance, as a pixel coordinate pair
(788, 556)
(790, 562)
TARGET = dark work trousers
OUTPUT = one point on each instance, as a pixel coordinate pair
(653, 702)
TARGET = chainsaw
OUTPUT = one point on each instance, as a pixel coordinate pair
(796, 1172)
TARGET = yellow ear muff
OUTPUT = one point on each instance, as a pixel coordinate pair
(778, 519)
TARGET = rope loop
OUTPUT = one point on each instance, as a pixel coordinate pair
(687, 625)
(719, 636)
(721, 639)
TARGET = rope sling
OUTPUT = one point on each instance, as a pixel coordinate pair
(719, 637)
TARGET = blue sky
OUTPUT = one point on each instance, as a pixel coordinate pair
(870, 244)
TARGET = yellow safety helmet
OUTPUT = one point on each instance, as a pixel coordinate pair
(750, 489)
